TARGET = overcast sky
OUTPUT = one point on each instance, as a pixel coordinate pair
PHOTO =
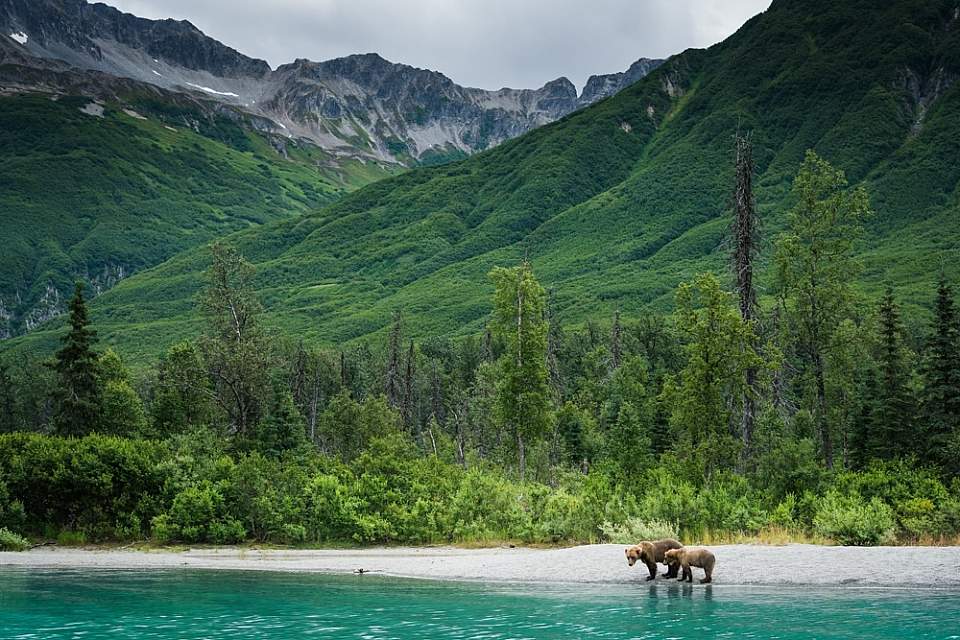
(479, 43)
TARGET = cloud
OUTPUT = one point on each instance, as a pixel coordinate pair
(483, 43)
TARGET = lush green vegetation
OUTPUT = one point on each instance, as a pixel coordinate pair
(533, 432)
(541, 342)
(99, 198)
(617, 204)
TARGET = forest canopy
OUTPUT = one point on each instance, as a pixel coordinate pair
(806, 413)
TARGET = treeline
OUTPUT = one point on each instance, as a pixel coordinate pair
(813, 414)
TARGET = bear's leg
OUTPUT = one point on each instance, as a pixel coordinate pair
(707, 576)
(652, 568)
(672, 570)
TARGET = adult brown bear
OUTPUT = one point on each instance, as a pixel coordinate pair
(692, 557)
(650, 553)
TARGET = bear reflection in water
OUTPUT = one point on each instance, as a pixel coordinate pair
(677, 589)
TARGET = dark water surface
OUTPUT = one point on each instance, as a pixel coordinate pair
(223, 604)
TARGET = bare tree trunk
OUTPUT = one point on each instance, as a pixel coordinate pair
(745, 233)
(314, 399)
(436, 396)
(523, 457)
(407, 409)
(822, 425)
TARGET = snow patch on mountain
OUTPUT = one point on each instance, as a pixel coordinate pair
(213, 91)
(92, 109)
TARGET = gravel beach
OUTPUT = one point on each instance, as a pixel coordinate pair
(795, 564)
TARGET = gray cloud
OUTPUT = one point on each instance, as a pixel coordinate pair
(482, 43)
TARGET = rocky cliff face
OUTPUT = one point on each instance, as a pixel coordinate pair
(400, 112)
(604, 86)
(97, 36)
(356, 106)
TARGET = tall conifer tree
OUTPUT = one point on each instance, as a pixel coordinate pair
(78, 396)
(894, 420)
(942, 398)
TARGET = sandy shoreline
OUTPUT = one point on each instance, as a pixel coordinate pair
(937, 567)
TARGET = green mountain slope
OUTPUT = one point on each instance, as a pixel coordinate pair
(619, 202)
(99, 191)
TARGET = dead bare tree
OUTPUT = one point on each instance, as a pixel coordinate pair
(746, 235)
(408, 387)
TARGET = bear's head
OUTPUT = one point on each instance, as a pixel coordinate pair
(672, 556)
(642, 551)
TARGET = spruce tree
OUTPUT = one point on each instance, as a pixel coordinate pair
(942, 372)
(8, 405)
(392, 384)
(892, 425)
(78, 402)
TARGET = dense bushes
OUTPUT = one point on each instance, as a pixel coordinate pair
(852, 520)
(190, 490)
(102, 485)
(10, 541)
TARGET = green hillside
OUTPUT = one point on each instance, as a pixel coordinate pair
(99, 195)
(619, 202)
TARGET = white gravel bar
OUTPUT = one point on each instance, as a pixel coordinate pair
(795, 564)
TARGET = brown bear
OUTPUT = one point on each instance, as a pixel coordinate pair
(650, 553)
(692, 557)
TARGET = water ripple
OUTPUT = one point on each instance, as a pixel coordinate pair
(53, 605)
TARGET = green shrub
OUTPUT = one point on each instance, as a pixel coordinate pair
(128, 528)
(727, 506)
(163, 530)
(12, 513)
(10, 541)
(563, 518)
(69, 538)
(293, 533)
(921, 504)
(193, 510)
(330, 512)
(632, 530)
(852, 520)
(784, 515)
(86, 484)
(671, 500)
(228, 531)
(487, 507)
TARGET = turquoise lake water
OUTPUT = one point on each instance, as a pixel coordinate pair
(215, 604)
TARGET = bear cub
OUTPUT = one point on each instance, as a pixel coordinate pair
(687, 557)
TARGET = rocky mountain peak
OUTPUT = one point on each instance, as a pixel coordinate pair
(604, 86)
(101, 37)
(360, 105)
